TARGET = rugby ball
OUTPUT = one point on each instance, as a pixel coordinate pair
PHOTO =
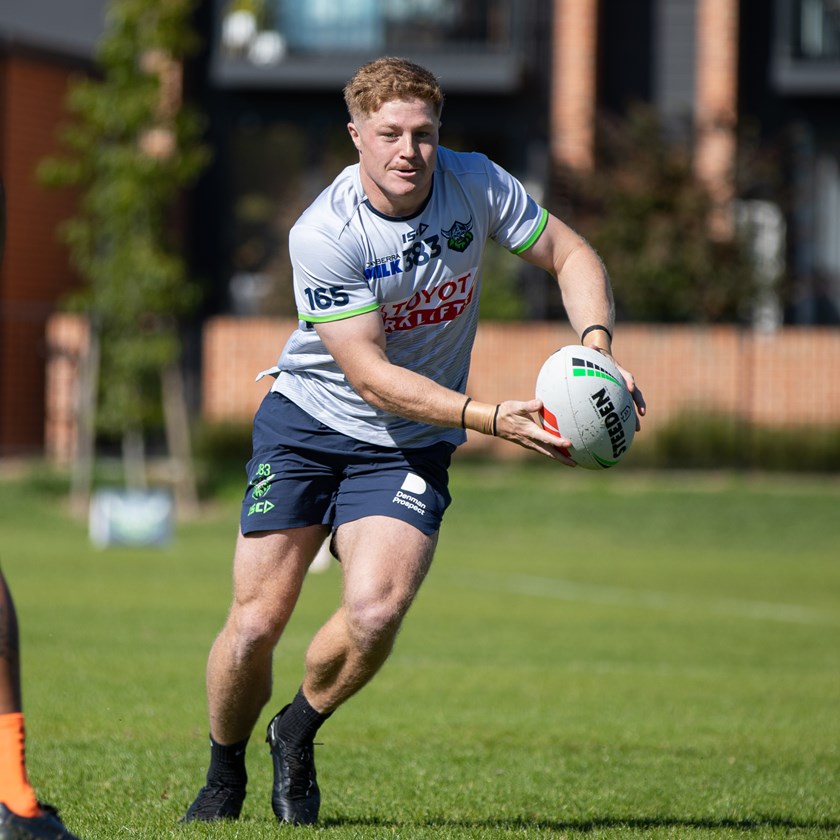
(585, 400)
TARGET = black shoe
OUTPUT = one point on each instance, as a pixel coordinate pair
(295, 797)
(46, 826)
(215, 802)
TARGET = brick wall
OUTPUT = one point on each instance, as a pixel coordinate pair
(574, 82)
(782, 379)
(716, 106)
(788, 378)
(67, 340)
(35, 272)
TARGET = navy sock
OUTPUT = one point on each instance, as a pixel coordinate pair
(227, 764)
(300, 721)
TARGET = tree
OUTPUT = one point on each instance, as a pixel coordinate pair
(647, 215)
(131, 148)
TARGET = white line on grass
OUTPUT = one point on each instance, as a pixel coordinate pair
(591, 593)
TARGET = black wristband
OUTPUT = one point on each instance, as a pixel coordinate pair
(592, 329)
(495, 418)
(464, 413)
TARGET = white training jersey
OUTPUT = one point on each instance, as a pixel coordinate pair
(422, 273)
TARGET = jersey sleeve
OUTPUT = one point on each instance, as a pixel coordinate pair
(519, 220)
(329, 280)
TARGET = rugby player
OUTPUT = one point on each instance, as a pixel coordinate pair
(369, 401)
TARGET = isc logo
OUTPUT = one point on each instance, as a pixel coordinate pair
(260, 507)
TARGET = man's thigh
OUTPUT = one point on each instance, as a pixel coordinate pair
(269, 568)
(383, 559)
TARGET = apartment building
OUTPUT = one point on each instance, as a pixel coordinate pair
(526, 81)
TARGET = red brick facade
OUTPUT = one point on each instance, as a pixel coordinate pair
(782, 379)
(35, 272)
(67, 343)
(716, 107)
(574, 82)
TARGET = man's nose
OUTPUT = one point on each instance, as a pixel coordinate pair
(409, 147)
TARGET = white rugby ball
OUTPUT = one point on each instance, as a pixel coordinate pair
(585, 400)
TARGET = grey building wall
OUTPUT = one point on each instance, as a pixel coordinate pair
(675, 51)
(67, 27)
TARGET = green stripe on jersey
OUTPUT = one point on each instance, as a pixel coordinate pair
(337, 316)
(535, 235)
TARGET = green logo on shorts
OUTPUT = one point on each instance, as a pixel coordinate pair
(262, 481)
(260, 507)
(262, 488)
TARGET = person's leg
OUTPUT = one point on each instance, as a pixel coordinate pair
(22, 817)
(15, 790)
(10, 699)
(384, 561)
(269, 568)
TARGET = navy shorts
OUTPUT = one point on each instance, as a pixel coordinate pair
(305, 473)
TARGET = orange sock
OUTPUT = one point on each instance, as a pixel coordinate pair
(15, 791)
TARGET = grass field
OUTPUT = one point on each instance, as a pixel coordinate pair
(592, 656)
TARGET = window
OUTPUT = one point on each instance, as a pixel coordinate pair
(263, 32)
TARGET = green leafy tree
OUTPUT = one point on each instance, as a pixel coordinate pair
(647, 215)
(130, 148)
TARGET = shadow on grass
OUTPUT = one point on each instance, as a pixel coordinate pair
(594, 824)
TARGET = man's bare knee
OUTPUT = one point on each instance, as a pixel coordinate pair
(374, 622)
(252, 631)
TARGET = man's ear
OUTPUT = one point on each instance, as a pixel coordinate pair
(354, 135)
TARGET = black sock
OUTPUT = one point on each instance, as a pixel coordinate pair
(227, 764)
(300, 721)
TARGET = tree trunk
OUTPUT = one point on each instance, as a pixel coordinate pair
(134, 458)
(178, 440)
(81, 481)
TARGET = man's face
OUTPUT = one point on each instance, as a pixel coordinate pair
(397, 153)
